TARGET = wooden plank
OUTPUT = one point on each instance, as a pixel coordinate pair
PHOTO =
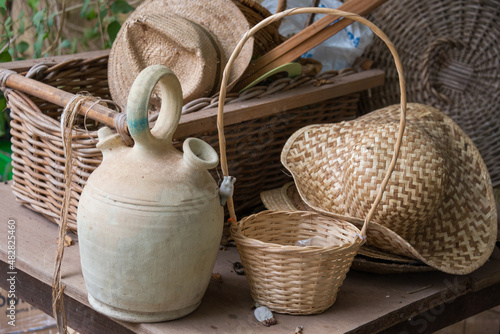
(25, 65)
(449, 313)
(380, 301)
(79, 316)
(206, 119)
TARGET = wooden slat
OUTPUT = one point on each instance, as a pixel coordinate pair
(25, 65)
(205, 120)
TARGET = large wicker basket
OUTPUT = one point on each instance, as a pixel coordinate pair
(279, 109)
(295, 262)
(450, 54)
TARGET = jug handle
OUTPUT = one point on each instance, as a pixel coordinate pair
(138, 106)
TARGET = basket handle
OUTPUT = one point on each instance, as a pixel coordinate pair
(345, 15)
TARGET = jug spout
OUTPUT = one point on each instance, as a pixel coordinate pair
(199, 154)
(109, 142)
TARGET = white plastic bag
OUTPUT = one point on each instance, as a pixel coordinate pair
(337, 52)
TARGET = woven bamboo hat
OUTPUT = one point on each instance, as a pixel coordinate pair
(193, 38)
(438, 206)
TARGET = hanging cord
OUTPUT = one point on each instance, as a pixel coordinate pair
(67, 122)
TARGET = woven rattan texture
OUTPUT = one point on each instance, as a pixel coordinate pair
(266, 38)
(450, 53)
(284, 277)
(439, 190)
(38, 161)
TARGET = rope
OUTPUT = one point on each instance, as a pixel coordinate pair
(4, 75)
(67, 122)
(120, 121)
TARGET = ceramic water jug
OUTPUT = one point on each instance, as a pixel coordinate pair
(149, 218)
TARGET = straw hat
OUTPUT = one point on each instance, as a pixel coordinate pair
(438, 206)
(193, 38)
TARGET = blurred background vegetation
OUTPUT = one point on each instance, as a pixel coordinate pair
(40, 28)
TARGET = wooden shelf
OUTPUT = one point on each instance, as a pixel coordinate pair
(366, 303)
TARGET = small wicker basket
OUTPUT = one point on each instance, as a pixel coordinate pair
(284, 275)
(287, 277)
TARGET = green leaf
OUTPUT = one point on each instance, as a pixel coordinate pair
(21, 28)
(33, 4)
(113, 29)
(50, 20)
(2, 4)
(3, 115)
(38, 19)
(38, 45)
(85, 6)
(91, 33)
(5, 57)
(74, 44)
(65, 44)
(22, 46)
(7, 22)
(121, 6)
(91, 14)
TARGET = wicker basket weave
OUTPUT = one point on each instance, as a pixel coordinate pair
(38, 159)
(289, 278)
(284, 275)
(450, 54)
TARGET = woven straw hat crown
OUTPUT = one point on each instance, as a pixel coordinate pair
(192, 38)
(438, 206)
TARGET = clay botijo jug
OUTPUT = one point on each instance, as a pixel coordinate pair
(149, 218)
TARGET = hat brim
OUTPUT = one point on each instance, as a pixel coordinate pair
(459, 235)
(287, 198)
(223, 22)
(222, 19)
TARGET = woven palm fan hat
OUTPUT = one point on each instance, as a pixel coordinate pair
(192, 38)
(438, 206)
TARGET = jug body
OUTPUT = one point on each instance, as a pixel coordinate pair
(149, 220)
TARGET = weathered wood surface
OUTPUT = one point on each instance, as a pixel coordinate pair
(366, 303)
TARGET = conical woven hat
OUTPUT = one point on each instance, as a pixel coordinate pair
(193, 38)
(438, 206)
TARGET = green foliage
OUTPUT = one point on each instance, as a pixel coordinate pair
(121, 6)
(113, 29)
(101, 23)
(3, 115)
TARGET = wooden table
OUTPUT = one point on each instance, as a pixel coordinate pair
(366, 303)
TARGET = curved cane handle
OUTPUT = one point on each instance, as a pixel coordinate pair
(295, 11)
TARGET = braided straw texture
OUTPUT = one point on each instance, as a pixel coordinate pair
(180, 44)
(288, 278)
(38, 160)
(439, 201)
(450, 53)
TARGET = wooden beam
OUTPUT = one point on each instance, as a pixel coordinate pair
(24, 65)
(206, 120)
